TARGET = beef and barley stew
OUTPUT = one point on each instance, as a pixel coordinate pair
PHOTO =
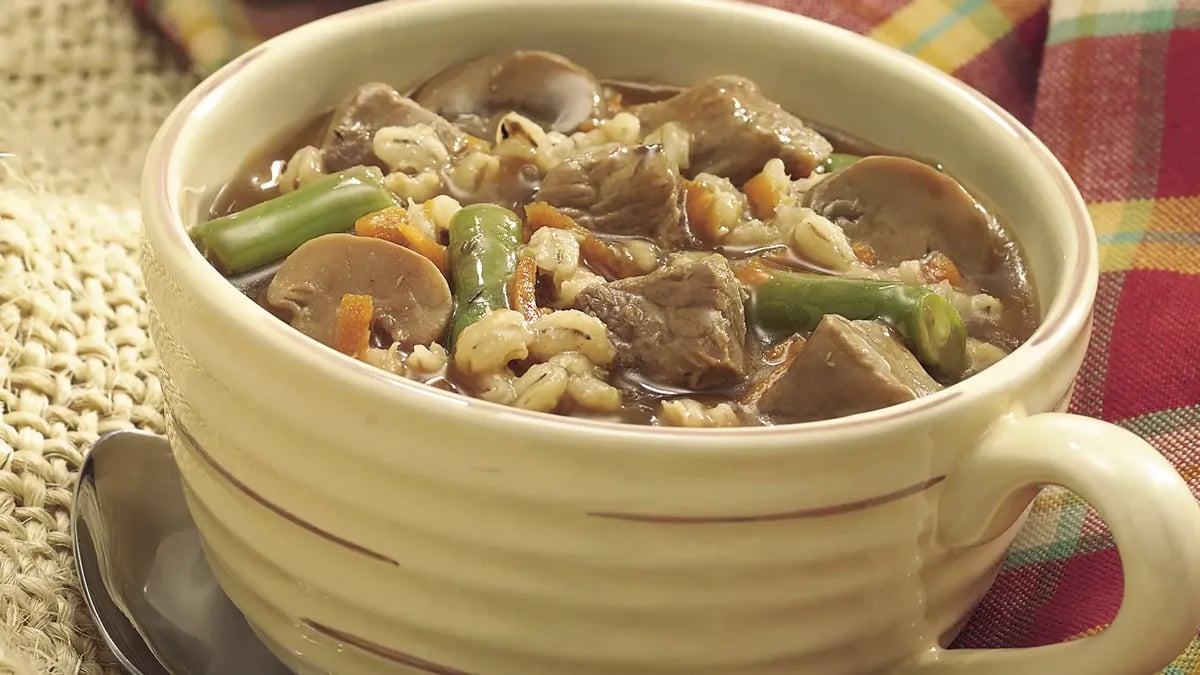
(518, 230)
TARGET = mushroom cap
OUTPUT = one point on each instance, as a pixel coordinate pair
(545, 87)
(905, 209)
(411, 297)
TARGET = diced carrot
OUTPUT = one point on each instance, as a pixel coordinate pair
(701, 206)
(762, 196)
(938, 266)
(600, 258)
(775, 353)
(784, 351)
(782, 355)
(864, 253)
(541, 214)
(420, 243)
(476, 143)
(594, 252)
(522, 290)
(382, 224)
(751, 272)
(587, 125)
(352, 333)
(795, 346)
(392, 224)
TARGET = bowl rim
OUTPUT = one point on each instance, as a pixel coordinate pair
(167, 236)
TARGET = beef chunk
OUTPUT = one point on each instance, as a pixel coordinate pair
(348, 142)
(905, 209)
(629, 191)
(680, 326)
(735, 129)
(846, 367)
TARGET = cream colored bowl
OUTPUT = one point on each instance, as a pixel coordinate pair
(367, 524)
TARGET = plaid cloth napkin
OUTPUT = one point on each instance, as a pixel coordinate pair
(1113, 88)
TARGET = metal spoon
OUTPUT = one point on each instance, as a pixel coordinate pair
(143, 572)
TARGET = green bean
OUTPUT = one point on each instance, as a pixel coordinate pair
(789, 302)
(484, 240)
(270, 231)
(836, 161)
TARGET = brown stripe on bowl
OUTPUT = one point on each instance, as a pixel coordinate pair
(383, 652)
(189, 441)
(816, 512)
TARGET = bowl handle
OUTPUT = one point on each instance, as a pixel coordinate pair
(1153, 516)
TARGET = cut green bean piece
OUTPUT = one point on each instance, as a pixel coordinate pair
(837, 161)
(484, 240)
(789, 302)
(270, 231)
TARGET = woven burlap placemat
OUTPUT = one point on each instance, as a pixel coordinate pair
(82, 89)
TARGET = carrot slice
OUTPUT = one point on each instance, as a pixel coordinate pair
(784, 351)
(541, 214)
(478, 144)
(751, 272)
(392, 224)
(594, 252)
(788, 351)
(601, 258)
(864, 253)
(701, 206)
(761, 194)
(352, 333)
(382, 224)
(522, 290)
(938, 266)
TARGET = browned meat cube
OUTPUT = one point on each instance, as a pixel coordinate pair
(680, 326)
(846, 367)
(629, 191)
(349, 140)
(735, 129)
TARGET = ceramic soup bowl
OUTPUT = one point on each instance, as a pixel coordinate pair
(369, 524)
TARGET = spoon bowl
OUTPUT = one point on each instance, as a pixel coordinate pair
(143, 572)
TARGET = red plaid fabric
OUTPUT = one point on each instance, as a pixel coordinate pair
(1113, 88)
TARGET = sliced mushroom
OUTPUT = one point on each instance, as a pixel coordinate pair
(905, 209)
(412, 300)
(545, 87)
